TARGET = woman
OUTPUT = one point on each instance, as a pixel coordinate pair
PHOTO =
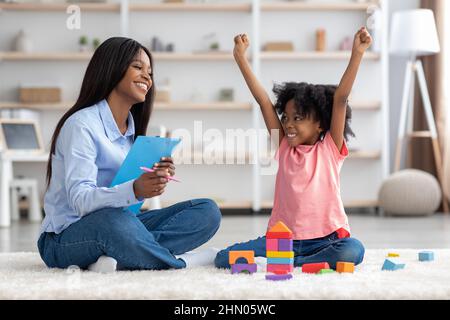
(87, 223)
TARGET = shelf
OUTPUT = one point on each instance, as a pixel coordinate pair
(45, 56)
(314, 55)
(347, 204)
(190, 7)
(163, 56)
(316, 6)
(365, 155)
(365, 105)
(204, 106)
(60, 7)
(85, 56)
(207, 56)
(195, 56)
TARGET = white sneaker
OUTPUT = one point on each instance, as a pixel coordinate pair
(200, 258)
(104, 264)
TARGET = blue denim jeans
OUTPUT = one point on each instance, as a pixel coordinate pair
(329, 249)
(148, 240)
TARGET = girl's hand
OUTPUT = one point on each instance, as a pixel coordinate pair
(150, 184)
(362, 41)
(166, 163)
(241, 44)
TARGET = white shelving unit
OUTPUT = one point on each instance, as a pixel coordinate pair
(233, 186)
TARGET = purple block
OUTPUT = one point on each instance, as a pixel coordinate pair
(242, 267)
(285, 245)
(278, 277)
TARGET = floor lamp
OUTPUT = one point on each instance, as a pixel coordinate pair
(414, 34)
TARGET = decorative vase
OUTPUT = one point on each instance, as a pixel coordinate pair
(22, 43)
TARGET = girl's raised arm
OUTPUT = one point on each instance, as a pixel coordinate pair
(361, 43)
(241, 43)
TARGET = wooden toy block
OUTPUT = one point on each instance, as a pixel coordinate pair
(279, 267)
(280, 254)
(325, 271)
(272, 245)
(280, 227)
(285, 245)
(281, 271)
(315, 267)
(392, 265)
(244, 268)
(393, 255)
(426, 256)
(278, 277)
(280, 260)
(278, 235)
(234, 255)
(345, 267)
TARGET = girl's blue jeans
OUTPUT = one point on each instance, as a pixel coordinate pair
(329, 249)
(148, 240)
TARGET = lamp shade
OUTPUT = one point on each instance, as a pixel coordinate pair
(414, 33)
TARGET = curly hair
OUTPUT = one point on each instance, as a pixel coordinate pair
(312, 101)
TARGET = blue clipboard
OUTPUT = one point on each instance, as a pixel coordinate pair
(145, 152)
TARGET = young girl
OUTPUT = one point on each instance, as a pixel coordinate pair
(87, 222)
(313, 131)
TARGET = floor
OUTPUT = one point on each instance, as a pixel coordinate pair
(376, 232)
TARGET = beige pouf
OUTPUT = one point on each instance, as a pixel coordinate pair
(410, 192)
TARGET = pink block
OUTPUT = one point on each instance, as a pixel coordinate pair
(279, 267)
(272, 244)
(285, 245)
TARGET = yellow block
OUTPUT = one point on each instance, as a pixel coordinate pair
(393, 255)
(280, 254)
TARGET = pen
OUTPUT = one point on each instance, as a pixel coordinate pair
(151, 170)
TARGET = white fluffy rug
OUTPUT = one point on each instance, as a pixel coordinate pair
(24, 276)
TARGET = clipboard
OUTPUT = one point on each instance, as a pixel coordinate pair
(145, 152)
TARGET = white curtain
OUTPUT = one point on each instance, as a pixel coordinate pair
(446, 47)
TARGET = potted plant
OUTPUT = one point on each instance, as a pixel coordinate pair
(96, 43)
(83, 43)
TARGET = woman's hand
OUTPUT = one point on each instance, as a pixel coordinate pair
(166, 163)
(241, 44)
(151, 184)
(362, 41)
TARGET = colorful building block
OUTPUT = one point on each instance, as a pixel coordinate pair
(272, 244)
(325, 271)
(280, 261)
(279, 231)
(278, 235)
(392, 265)
(248, 255)
(280, 227)
(280, 267)
(278, 277)
(345, 267)
(280, 254)
(284, 245)
(393, 255)
(315, 267)
(426, 256)
(244, 268)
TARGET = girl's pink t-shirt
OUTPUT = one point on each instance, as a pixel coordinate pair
(307, 190)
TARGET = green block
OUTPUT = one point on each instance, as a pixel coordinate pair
(324, 271)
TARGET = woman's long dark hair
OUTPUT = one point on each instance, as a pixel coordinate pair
(104, 72)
